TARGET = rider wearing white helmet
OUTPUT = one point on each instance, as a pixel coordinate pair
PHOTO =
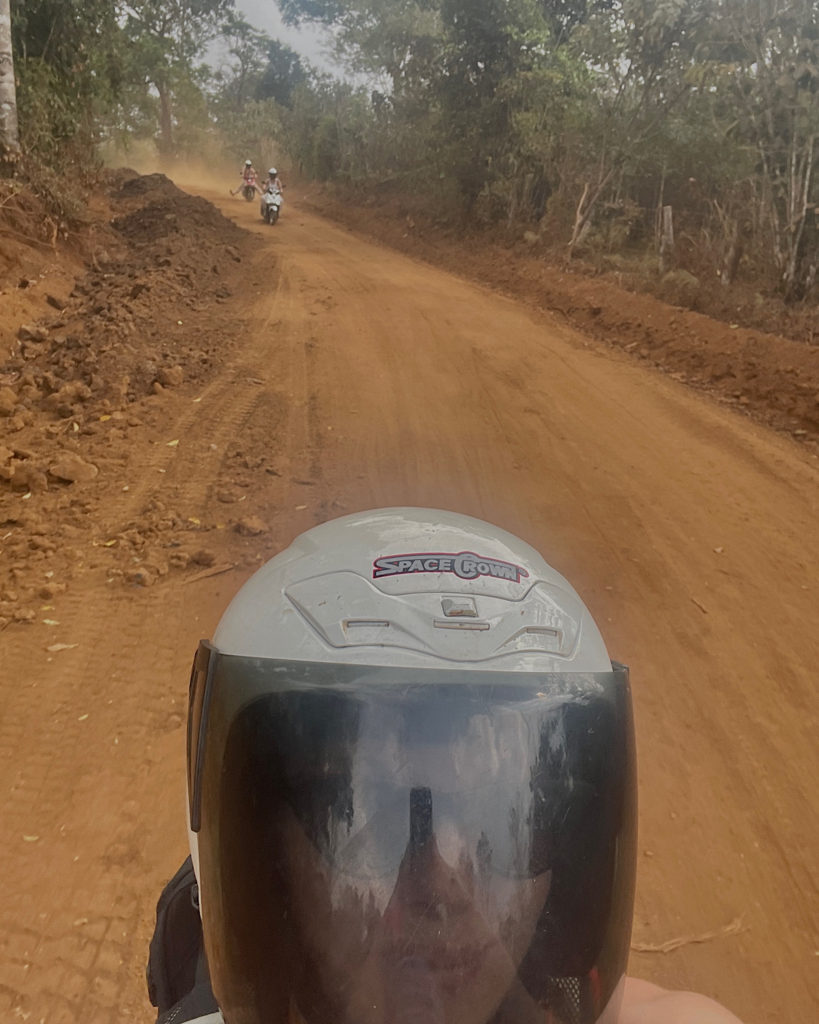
(273, 181)
(249, 178)
(411, 788)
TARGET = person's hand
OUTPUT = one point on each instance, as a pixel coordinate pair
(644, 1003)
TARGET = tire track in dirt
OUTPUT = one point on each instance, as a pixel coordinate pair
(78, 951)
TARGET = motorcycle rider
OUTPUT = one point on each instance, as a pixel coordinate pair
(249, 177)
(273, 182)
(411, 794)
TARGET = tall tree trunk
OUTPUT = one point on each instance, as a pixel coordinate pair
(585, 208)
(667, 240)
(799, 188)
(730, 264)
(9, 139)
(166, 144)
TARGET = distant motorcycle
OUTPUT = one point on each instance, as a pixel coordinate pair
(249, 190)
(271, 205)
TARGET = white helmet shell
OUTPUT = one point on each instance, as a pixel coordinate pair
(413, 587)
(422, 658)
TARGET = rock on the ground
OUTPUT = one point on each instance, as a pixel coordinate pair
(171, 376)
(203, 557)
(8, 401)
(252, 526)
(73, 469)
(29, 477)
(228, 495)
(31, 332)
(141, 577)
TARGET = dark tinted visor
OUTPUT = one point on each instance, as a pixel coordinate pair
(380, 844)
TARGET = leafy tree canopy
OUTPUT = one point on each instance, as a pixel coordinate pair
(283, 73)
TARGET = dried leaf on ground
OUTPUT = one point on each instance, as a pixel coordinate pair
(687, 940)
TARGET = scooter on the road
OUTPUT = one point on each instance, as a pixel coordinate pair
(271, 205)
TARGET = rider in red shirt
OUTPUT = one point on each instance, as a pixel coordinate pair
(249, 177)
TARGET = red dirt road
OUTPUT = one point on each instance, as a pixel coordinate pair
(363, 379)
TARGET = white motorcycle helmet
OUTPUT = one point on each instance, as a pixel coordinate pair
(411, 785)
(272, 172)
(248, 163)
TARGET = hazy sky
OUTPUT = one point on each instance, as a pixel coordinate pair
(307, 41)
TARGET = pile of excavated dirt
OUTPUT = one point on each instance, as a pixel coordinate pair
(85, 384)
(775, 379)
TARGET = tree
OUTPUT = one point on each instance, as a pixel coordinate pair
(449, 63)
(247, 48)
(166, 37)
(595, 114)
(397, 38)
(284, 72)
(563, 16)
(490, 44)
(767, 54)
(68, 73)
(642, 52)
(9, 138)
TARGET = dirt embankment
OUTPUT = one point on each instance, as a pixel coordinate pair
(773, 378)
(85, 383)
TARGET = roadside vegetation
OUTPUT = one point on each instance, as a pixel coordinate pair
(670, 142)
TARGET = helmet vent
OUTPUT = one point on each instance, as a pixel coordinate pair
(537, 638)
(459, 608)
(460, 624)
(372, 632)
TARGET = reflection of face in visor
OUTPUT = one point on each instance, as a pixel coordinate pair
(452, 933)
(382, 850)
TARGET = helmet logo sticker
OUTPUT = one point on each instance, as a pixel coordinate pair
(465, 564)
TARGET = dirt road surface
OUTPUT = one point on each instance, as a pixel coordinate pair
(351, 377)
